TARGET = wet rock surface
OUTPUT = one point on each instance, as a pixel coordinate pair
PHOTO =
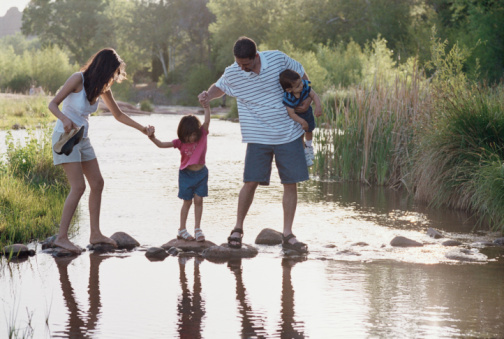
(401, 241)
(224, 252)
(156, 254)
(124, 241)
(184, 245)
(269, 236)
(433, 233)
(17, 250)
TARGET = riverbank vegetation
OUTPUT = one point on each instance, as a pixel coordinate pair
(32, 189)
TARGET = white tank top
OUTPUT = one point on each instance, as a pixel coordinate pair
(77, 108)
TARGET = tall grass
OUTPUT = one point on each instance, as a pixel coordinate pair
(460, 161)
(367, 136)
(32, 190)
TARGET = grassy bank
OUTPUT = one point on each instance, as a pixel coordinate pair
(32, 189)
(21, 111)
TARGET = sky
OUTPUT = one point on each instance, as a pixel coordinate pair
(6, 4)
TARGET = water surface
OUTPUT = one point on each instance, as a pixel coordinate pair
(353, 284)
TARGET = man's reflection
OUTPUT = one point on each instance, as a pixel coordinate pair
(289, 328)
(249, 330)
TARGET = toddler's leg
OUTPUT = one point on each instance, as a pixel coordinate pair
(198, 212)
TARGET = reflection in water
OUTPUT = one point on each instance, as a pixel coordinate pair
(80, 324)
(290, 328)
(191, 308)
(248, 328)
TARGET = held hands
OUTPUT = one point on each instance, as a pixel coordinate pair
(150, 130)
(204, 99)
(304, 125)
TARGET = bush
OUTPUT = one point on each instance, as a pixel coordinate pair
(146, 105)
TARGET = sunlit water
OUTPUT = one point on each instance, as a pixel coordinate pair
(343, 289)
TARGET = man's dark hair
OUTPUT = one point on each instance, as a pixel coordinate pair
(245, 48)
(288, 78)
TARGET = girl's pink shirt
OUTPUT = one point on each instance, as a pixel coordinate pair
(192, 153)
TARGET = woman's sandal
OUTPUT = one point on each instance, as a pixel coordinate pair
(236, 240)
(298, 246)
(184, 235)
(198, 234)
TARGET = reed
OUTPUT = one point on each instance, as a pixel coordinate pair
(367, 135)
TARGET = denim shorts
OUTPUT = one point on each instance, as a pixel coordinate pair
(83, 151)
(289, 158)
(193, 182)
(309, 118)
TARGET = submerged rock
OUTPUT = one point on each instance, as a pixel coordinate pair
(434, 233)
(224, 252)
(17, 250)
(269, 236)
(451, 243)
(156, 254)
(400, 241)
(465, 255)
(102, 248)
(184, 245)
(124, 241)
(499, 241)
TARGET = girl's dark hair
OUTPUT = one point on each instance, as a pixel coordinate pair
(245, 48)
(288, 78)
(188, 125)
(101, 68)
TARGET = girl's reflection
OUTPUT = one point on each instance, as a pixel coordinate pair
(77, 327)
(190, 307)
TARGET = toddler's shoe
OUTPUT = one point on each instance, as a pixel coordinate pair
(67, 141)
(309, 151)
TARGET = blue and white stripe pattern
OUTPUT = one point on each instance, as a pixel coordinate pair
(291, 101)
(263, 116)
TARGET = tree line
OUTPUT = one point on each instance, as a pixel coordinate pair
(168, 38)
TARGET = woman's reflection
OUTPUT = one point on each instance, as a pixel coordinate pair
(80, 324)
(190, 306)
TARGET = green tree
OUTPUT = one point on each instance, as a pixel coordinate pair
(79, 26)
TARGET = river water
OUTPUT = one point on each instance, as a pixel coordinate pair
(353, 284)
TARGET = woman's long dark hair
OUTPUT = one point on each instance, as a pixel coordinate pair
(101, 68)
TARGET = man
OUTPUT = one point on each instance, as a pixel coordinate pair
(266, 128)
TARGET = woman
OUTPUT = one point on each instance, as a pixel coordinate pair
(79, 96)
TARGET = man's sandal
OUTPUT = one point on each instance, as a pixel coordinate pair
(198, 234)
(298, 246)
(184, 235)
(235, 242)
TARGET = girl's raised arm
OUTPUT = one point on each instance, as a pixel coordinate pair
(206, 123)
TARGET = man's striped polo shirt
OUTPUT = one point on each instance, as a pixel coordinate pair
(263, 116)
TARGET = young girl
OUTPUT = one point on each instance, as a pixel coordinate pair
(193, 174)
(79, 96)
